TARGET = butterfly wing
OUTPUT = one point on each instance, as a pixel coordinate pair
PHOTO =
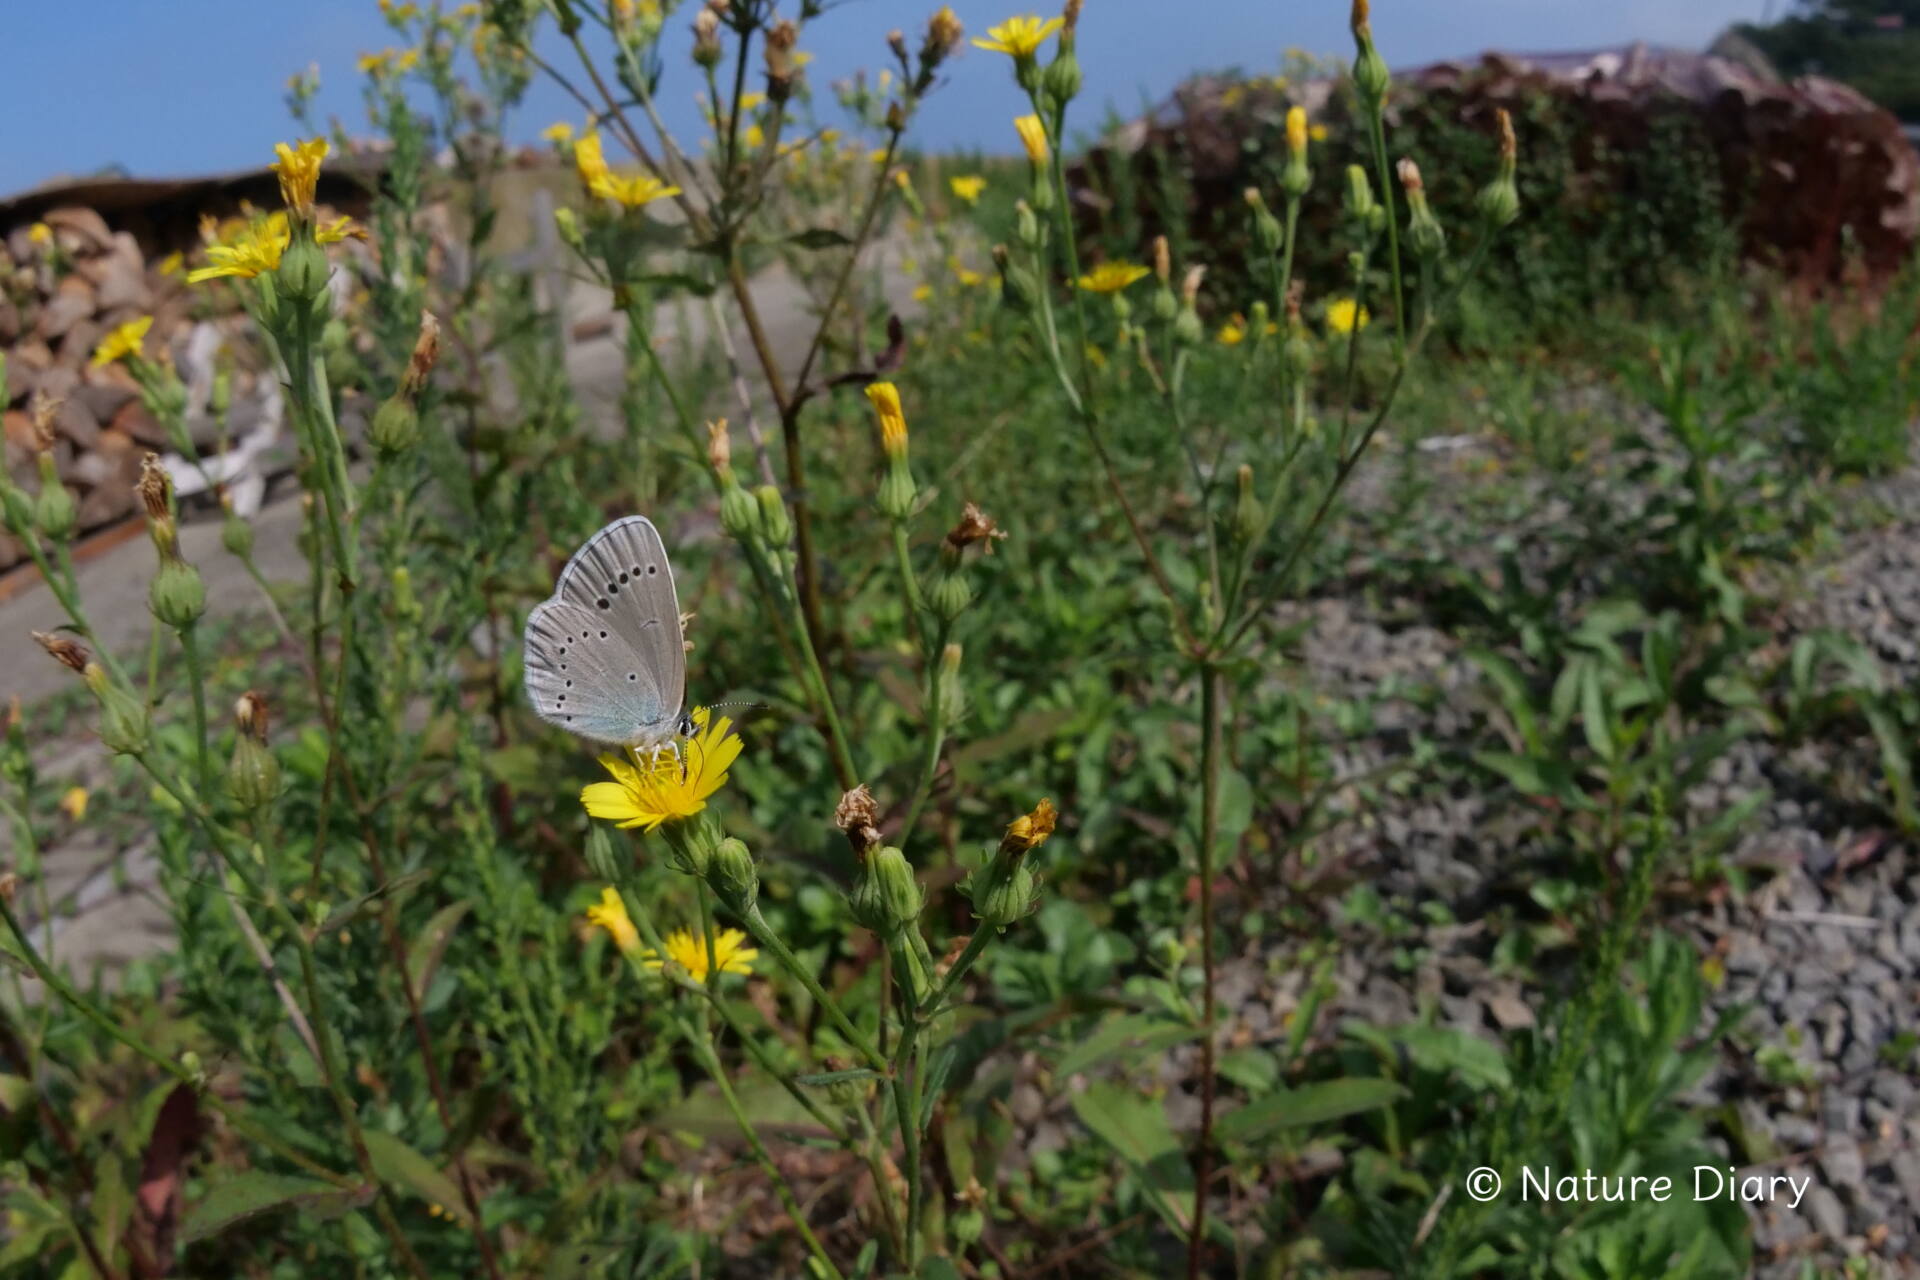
(604, 657)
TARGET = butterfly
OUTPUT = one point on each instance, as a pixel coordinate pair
(604, 654)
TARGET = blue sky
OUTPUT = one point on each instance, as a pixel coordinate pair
(179, 87)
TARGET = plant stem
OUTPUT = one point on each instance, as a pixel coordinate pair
(1210, 765)
(766, 937)
(906, 1091)
(196, 679)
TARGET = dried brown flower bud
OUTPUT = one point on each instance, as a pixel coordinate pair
(65, 649)
(155, 488)
(1071, 15)
(43, 411)
(859, 817)
(1361, 18)
(426, 349)
(943, 35)
(9, 887)
(1410, 175)
(897, 43)
(250, 715)
(1509, 145)
(1162, 260)
(1190, 286)
(719, 446)
(783, 35)
(975, 526)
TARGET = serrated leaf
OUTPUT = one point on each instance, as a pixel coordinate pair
(1310, 1104)
(247, 1195)
(400, 1165)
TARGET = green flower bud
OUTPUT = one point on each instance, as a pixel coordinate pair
(124, 724)
(739, 513)
(1298, 353)
(303, 272)
(949, 698)
(1359, 194)
(1246, 507)
(567, 223)
(253, 775)
(691, 844)
(888, 897)
(1165, 305)
(406, 606)
(177, 596)
(15, 505)
(732, 876)
(897, 491)
(950, 594)
(1187, 329)
(965, 1226)
(1016, 284)
(1026, 224)
(220, 397)
(774, 520)
(1062, 76)
(1498, 202)
(1167, 950)
(236, 535)
(601, 859)
(1370, 75)
(53, 510)
(1004, 894)
(846, 1093)
(395, 427)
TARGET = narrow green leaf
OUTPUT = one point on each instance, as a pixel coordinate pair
(423, 958)
(1308, 1105)
(402, 1166)
(1138, 1032)
(249, 1194)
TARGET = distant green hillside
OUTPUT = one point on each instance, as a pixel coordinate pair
(1873, 45)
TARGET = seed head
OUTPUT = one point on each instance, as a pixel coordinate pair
(859, 817)
(975, 526)
(65, 649)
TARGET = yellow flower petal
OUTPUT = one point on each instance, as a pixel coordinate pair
(647, 791)
(1020, 37)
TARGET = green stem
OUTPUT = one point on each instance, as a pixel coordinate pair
(958, 970)
(910, 588)
(196, 679)
(1210, 762)
(766, 937)
(906, 1092)
(882, 1186)
(1377, 130)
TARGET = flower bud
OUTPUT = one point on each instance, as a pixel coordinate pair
(949, 699)
(732, 876)
(303, 272)
(1267, 233)
(395, 427)
(1296, 178)
(220, 394)
(1167, 950)
(567, 223)
(124, 723)
(253, 775)
(706, 39)
(601, 859)
(1061, 80)
(897, 492)
(1246, 507)
(774, 520)
(950, 594)
(888, 897)
(177, 596)
(848, 1092)
(1006, 898)
(1424, 233)
(236, 535)
(1370, 74)
(739, 513)
(15, 505)
(858, 816)
(1499, 200)
(53, 509)
(1360, 203)
(1026, 225)
(691, 844)
(1298, 354)
(1016, 286)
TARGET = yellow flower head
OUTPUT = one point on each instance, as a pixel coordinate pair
(1344, 315)
(731, 954)
(406, 60)
(1234, 331)
(374, 64)
(640, 189)
(171, 264)
(40, 233)
(559, 133)
(885, 398)
(1318, 133)
(1033, 136)
(588, 158)
(968, 188)
(610, 913)
(122, 342)
(299, 171)
(877, 156)
(1297, 130)
(1112, 277)
(646, 791)
(248, 249)
(1020, 37)
(1030, 830)
(341, 228)
(74, 803)
(921, 292)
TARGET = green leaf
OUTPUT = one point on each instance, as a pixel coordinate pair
(249, 1194)
(1478, 1062)
(820, 238)
(400, 1165)
(1593, 713)
(1308, 1105)
(1136, 1128)
(836, 1077)
(937, 1268)
(342, 916)
(1139, 1032)
(1236, 806)
(423, 958)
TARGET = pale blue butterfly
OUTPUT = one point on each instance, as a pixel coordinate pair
(604, 655)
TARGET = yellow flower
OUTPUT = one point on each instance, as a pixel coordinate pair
(1030, 830)
(171, 264)
(731, 954)
(748, 101)
(299, 172)
(877, 156)
(1234, 331)
(341, 228)
(610, 913)
(1318, 133)
(407, 60)
(74, 803)
(647, 791)
(755, 136)
(1112, 277)
(1019, 37)
(40, 233)
(559, 133)
(965, 275)
(1296, 129)
(1344, 315)
(374, 64)
(885, 398)
(633, 192)
(588, 159)
(251, 251)
(1033, 136)
(921, 292)
(902, 181)
(968, 188)
(122, 342)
